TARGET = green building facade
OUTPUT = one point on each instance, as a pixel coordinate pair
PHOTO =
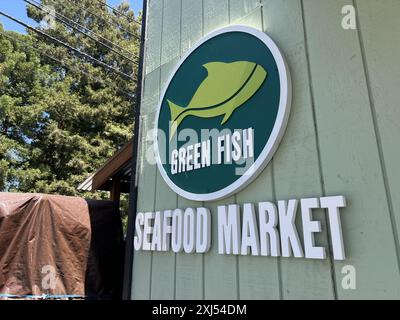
(342, 138)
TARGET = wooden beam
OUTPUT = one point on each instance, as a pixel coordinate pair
(112, 166)
(115, 193)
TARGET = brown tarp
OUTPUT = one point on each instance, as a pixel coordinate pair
(59, 247)
(40, 234)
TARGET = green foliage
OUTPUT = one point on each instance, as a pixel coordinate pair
(60, 121)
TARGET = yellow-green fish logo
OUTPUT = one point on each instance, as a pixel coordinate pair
(226, 87)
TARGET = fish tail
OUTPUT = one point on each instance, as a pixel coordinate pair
(175, 110)
(176, 120)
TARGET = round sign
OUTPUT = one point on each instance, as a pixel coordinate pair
(222, 114)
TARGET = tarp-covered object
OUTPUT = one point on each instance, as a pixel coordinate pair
(44, 245)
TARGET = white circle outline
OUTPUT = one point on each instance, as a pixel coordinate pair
(277, 132)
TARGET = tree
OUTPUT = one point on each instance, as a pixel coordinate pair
(62, 116)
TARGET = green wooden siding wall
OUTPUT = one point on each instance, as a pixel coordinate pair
(342, 138)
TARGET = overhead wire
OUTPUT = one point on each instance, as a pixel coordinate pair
(91, 31)
(118, 11)
(79, 52)
(105, 20)
(66, 23)
(65, 65)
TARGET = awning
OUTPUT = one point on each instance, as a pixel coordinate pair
(116, 170)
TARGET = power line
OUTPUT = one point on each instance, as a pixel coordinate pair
(69, 47)
(130, 95)
(43, 8)
(40, 7)
(119, 12)
(89, 30)
(77, 29)
(66, 65)
(102, 18)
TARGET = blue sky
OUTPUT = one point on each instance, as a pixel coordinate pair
(17, 9)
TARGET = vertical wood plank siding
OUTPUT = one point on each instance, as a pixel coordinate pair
(342, 138)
